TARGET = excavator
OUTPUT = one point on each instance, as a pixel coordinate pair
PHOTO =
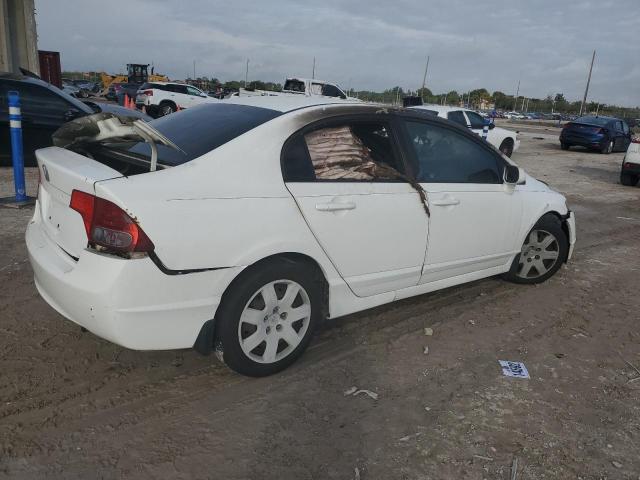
(136, 73)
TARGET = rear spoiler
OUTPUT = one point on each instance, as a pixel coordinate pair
(104, 127)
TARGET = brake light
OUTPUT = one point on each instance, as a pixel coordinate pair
(148, 93)
(108, 226)
(566, 125)
(635, 139)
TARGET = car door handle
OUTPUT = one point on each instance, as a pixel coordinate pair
(335, 206)
(445, 202)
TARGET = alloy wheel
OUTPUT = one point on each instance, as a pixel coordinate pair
(274, 321)
(539, 254)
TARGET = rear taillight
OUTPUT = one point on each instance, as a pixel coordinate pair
(635, 139)
(148, 93)
(566, 125)
(108, 226)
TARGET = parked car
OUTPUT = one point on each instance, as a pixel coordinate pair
(163, 98)
(87, 85)
(44, 109)
(604, 134)
(630, 172)
(112, 91)
(71, 89)
(504, 140)
(255, 226)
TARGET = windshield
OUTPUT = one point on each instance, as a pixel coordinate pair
(199, 130)
(594, 120)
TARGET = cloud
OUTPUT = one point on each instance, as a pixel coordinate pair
(370, 44)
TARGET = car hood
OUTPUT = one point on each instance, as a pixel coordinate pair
(121, 111)
(503, 131)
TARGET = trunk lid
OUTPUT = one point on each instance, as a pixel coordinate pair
(61, 172)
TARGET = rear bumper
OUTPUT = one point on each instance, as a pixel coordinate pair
(128, 302)
(589, 142)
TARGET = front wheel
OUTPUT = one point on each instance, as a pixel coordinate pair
(267, 318)
(628, 179)
(542, 252)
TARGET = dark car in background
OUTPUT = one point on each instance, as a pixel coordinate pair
(44, 109)
(604, 134)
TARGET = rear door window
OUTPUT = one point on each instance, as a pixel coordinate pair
(457, 117)
(193, 91)
(354, 151)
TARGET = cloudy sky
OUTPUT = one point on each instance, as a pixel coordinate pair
(368, 44)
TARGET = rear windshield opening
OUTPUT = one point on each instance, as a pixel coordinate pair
(196, 131)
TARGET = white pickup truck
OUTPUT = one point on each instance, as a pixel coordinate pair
(301, 86)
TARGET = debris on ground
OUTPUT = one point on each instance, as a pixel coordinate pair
(426, 350)
(409, 437)
(357, 472)
(513, 369)
(616, 464)
(514, 469)
(353, 391)
(350, 391)
(428, 331)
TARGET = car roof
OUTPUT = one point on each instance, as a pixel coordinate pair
(440, 108)
(286, 103)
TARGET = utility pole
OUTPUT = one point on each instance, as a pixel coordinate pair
(313, 73)
(194, 69)
(586, 90)
(424, 79)
(246, 74)
(515, 102)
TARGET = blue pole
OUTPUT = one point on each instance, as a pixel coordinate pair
(15, 124)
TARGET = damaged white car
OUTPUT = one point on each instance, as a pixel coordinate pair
(238, 228)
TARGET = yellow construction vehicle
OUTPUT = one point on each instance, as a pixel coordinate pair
(136, 73)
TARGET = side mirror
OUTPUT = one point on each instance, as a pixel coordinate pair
(514, 175)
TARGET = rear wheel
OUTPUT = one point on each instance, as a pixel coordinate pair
(268, 316)
(608, 148)
(542, 253)
(564, 146)
(167, 108)
(506, 147)
(628, 179)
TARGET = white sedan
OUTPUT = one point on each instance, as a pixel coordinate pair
(504, 140)
(237, 228)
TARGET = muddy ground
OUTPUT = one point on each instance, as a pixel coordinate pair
(73, 406)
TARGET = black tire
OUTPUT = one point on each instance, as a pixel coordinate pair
(506, 147)
(552, 225)
(564, 146)
(628, 179)
(608, 148)
(166, 108)
(245, 289)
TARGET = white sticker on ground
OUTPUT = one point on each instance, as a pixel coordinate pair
(513, 369)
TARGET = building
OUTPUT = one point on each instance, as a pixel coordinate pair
(18, 36)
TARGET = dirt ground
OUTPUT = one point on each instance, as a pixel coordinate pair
(73, 406)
